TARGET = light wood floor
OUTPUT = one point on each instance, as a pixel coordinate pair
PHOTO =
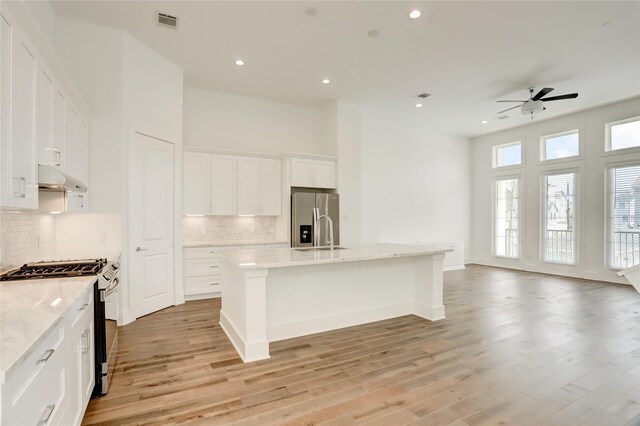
(516, 348)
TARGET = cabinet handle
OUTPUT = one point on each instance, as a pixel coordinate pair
(46, 415)
(213, 283)
(21, 182)
(83, 307)
(45, 357)
(213, 266)
(85, 341)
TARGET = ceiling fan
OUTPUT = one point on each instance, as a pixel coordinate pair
(535, 104)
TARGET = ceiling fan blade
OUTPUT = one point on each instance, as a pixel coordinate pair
(509, 109)
(541, 93)
(561, 97)
(513, 101)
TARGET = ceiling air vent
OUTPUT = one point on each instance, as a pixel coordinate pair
(167, 20)
(424, 95)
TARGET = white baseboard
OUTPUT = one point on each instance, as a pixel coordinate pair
(126, 317)
(249, 352)
(188, 298)
(432, 313)
(453, 268)
(289, 330)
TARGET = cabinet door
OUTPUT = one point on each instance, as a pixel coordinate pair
(87, 374)
(248, 185)
(324, 174)
(270, 187)
(83, 152)
(45, 118)
(59, 125)
(75, 368)
(72, 142)
(19, 186)
(224, 185)
(302, 172)
(196, 184)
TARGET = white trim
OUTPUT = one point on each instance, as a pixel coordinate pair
(249, 352)
(494, 159)
(454, 267)
(495, 179)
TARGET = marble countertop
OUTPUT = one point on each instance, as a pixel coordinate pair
(284, 257)
(29, 309)
(223, 243)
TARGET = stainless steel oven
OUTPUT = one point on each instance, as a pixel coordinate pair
(106, 298)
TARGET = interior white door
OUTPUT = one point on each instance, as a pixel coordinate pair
(152, 221)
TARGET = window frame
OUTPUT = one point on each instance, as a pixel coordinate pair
(521, 212)
(608, 226)
(494, 162)
(543, 147)
(607, 137)
(543, 214)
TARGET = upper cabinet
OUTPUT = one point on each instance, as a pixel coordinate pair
(19, 79)
(39, 125)
(259, 186)
(228, 185)
(210, 184)
(309, 173)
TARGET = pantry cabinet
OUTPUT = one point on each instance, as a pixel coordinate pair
(18, 80)
(309, 173)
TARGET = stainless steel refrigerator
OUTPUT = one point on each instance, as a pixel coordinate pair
(302, 226)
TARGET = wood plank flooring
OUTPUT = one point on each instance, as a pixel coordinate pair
(516, 348)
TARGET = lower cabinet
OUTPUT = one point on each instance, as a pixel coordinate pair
(52, 386)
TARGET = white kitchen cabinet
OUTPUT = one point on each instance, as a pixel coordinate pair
(259, 186)
(51, 120)
(73, 141)
(309, 173)
(19, 80)
(224, 185)
(210, 184)
(203, 271)
(196, 181)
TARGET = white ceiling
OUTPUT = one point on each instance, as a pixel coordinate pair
(467, 54)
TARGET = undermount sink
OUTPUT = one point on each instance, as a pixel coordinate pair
(324, 248)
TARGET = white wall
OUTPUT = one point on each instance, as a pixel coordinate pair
(415, 182)
(128, 87)
(348, 128)
(239, 123)
(591, 208)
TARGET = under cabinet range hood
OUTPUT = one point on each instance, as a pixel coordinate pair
(51, 178)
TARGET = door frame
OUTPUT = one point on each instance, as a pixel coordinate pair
(131, 297)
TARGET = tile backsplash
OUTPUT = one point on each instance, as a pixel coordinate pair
(229, 228)
(26, 237)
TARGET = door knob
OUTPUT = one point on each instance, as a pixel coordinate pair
(141, 249)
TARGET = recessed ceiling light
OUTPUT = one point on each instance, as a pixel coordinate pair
(239, 62)
(484, 122)
(311, 11)
(374, 33)
(415, 14)
(418, 105)
(326, 81)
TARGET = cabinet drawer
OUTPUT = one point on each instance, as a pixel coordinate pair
(46, 403)
(30, 375)
(202, 285)
(200, 253)
(202, 267)
(83, 305)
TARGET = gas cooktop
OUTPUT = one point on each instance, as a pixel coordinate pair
(57, 269)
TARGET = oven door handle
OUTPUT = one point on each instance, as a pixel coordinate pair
(112, 287)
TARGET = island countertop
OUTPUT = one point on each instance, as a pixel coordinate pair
(29, 309)
(287, 257)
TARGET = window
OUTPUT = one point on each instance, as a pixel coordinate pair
(560, 145)
(506, 216)
(624, 216)
(509, 154)
(623, 134)
(559, 230)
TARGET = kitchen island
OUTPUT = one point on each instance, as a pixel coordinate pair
(275, 294)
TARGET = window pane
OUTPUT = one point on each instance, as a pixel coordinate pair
(560, 213)
(563, 146)
(625, 135)
(507, 155)
(506, 218)
(624, 214)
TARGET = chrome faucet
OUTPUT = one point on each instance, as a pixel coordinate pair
(317, 217)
